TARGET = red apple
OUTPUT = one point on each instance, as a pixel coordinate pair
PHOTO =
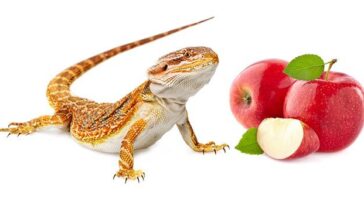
(286, 138)
(334, 108)
(258, 92)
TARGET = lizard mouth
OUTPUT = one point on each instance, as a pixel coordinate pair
(156, 81)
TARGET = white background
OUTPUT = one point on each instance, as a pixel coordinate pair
(39, 38)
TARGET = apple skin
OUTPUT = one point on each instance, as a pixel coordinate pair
(258, 92)
(333, 108)
(310, 143)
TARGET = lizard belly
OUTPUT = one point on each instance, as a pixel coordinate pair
(154, 133)
(159, 121)
(144, 140)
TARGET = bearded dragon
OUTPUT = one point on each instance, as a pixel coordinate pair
(140, 118)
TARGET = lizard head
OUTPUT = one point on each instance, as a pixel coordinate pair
(181, 74)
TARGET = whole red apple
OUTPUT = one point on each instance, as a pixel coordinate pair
(258, 92)
(334, 108)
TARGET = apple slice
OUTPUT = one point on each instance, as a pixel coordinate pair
(286, 138)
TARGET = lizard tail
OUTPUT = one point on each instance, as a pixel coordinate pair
(58, 91)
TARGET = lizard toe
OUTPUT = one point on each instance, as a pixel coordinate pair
(130, 174)
(211, 147)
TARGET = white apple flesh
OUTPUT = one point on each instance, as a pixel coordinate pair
(286, 138)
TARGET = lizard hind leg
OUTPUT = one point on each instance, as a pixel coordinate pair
(33, 125)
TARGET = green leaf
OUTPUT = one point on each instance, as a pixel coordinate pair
(248, 143)
(305, 67)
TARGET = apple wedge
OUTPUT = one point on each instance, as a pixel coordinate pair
(286, 138)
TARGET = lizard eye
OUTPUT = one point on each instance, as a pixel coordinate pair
(187, 54)
(158, 69)
(165, 67)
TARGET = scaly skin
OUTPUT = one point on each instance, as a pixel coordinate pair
(141, 117)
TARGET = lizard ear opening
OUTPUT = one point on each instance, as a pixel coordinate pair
(157, 69)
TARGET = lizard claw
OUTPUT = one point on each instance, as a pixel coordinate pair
(130, 174)
(18, 129)
(16, 124)
(211, 147)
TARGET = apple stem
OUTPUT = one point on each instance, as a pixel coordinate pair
(331, 63)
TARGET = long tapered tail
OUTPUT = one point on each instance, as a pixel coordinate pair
(58, 91)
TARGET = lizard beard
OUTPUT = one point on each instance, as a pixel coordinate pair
(182, 87)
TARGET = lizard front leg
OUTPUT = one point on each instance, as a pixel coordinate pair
(190, 138)
(126, 162)
(32, 125)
